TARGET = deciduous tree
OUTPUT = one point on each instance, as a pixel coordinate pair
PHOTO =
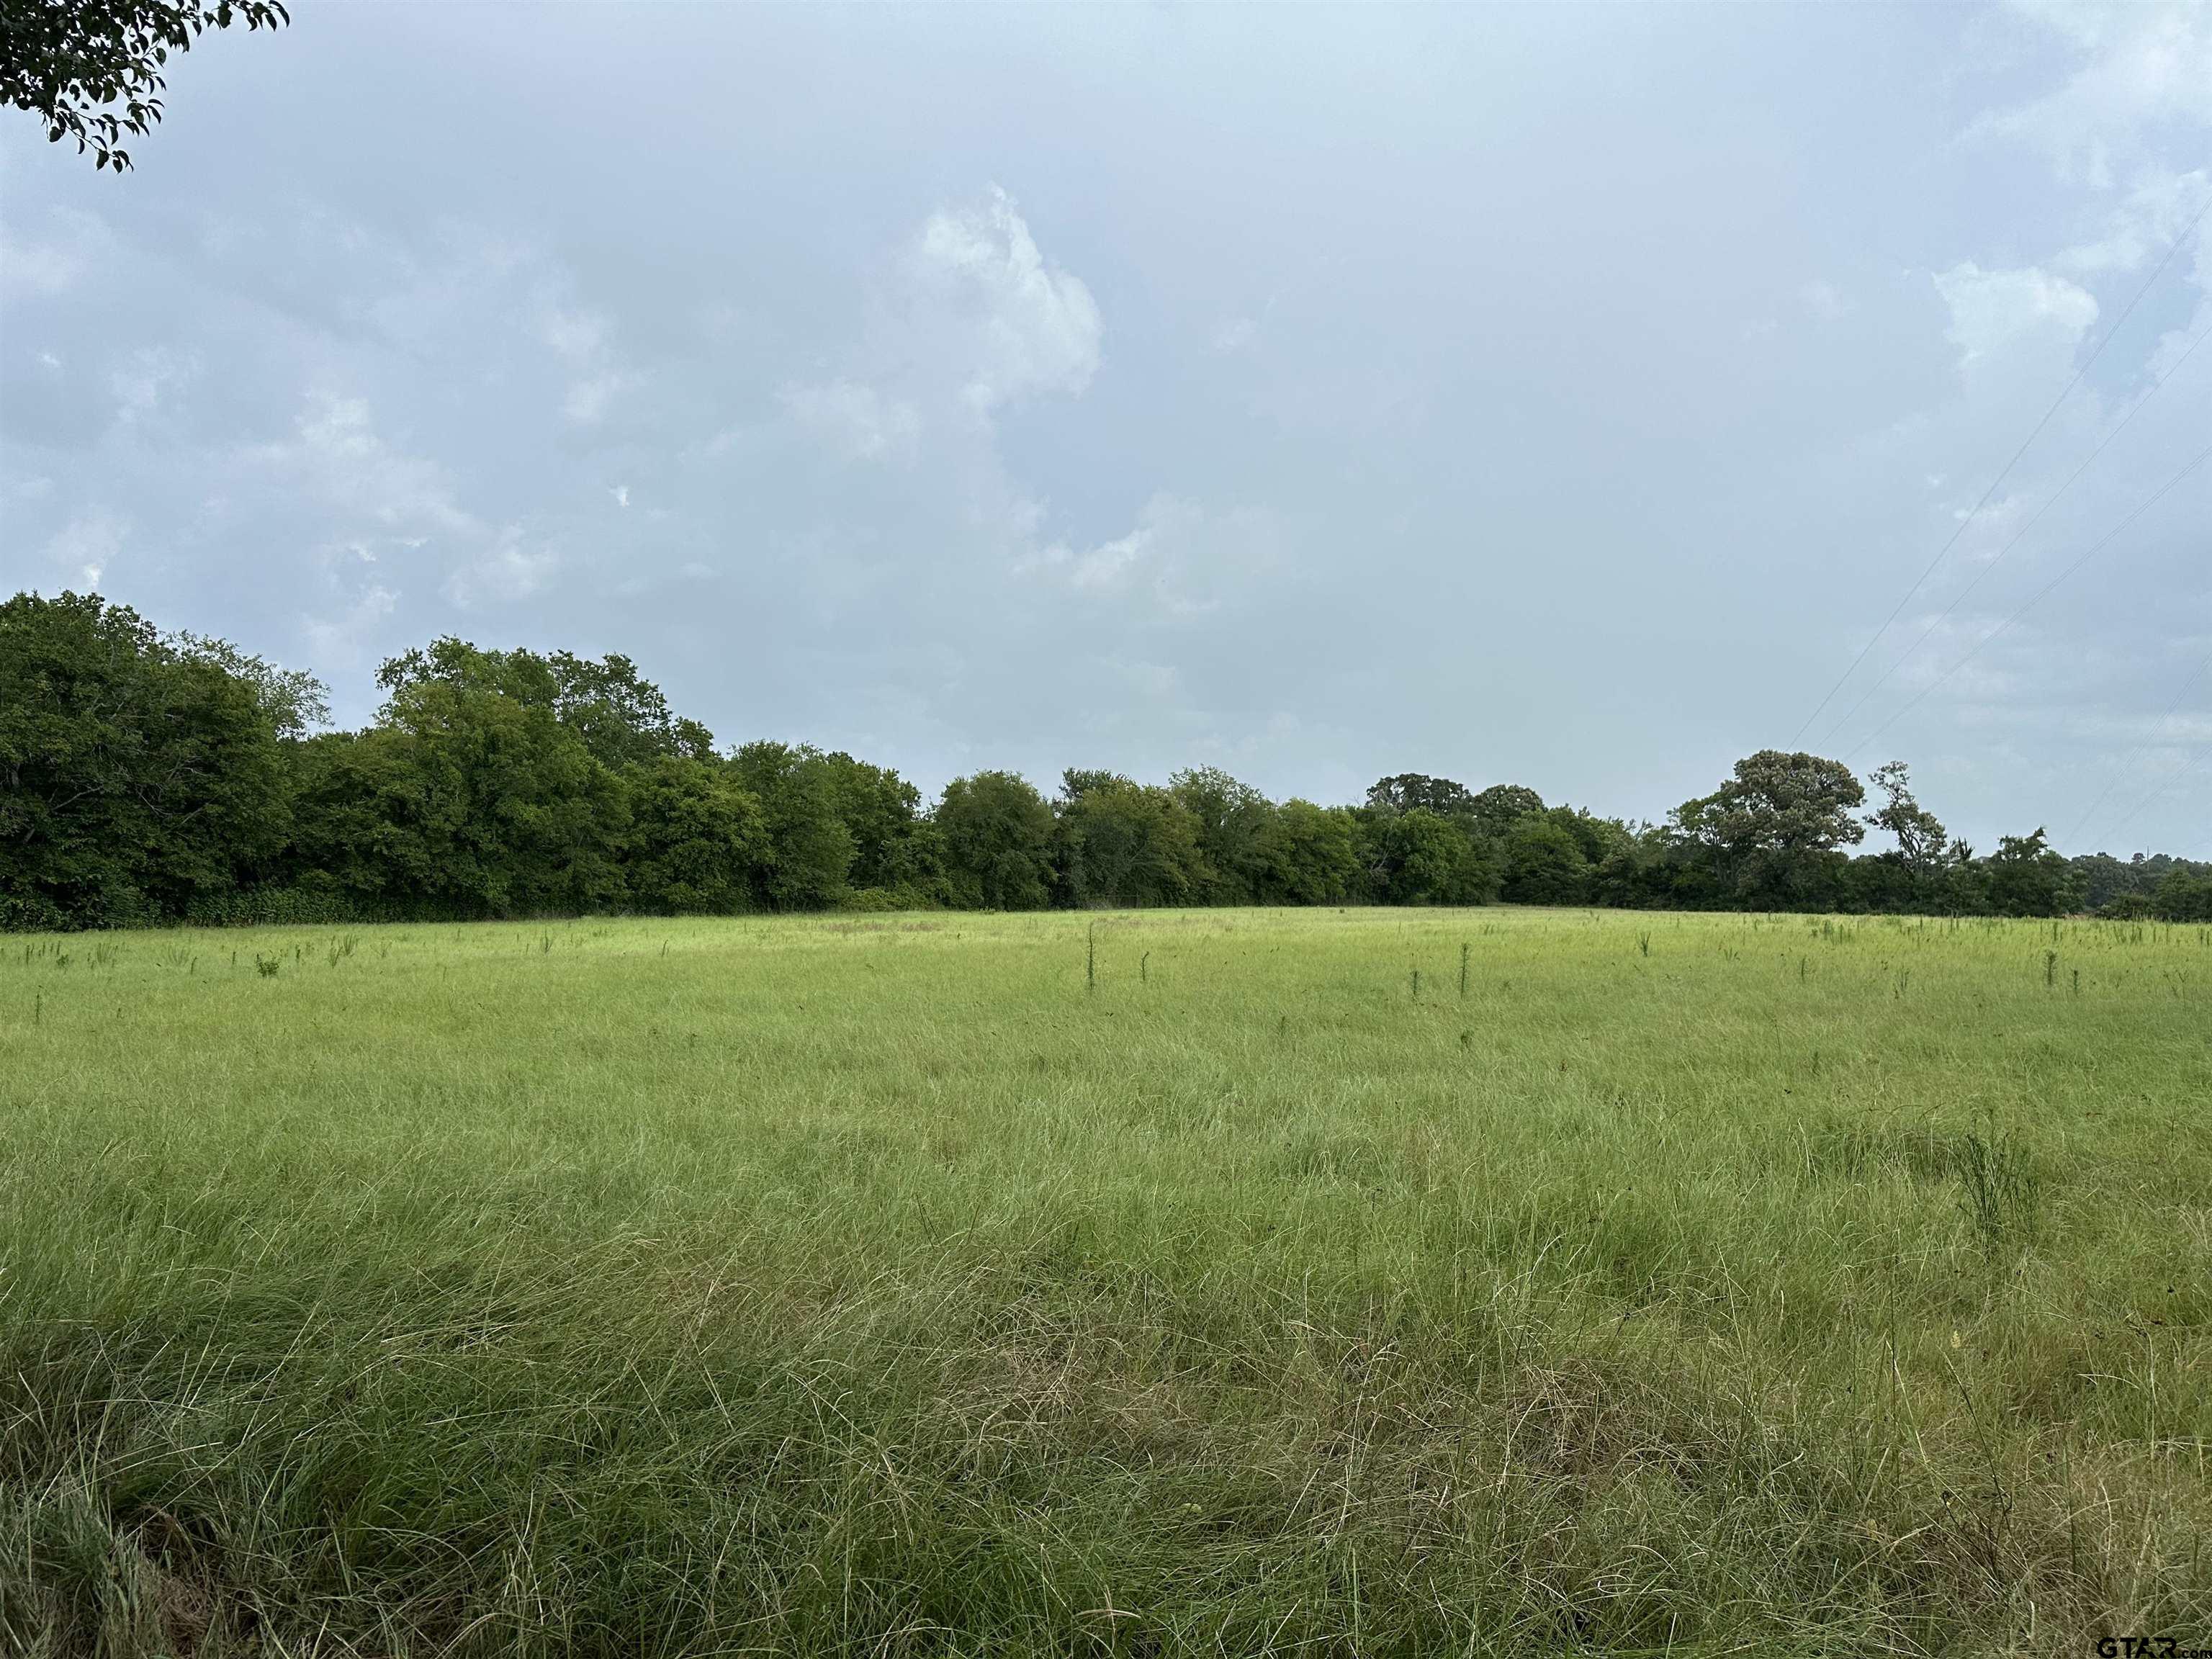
(1119, 842)
(1310, 855)
(810, 851)
(1921, 837)
(2026, 878)
(995, 831)
(1232, 819)
(92, 70)
(1502, 805)
(136, 776)
(698, 839)
(1410, 792)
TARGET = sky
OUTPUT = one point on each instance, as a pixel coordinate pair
(1562, 395)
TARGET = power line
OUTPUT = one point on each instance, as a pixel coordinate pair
(1944, 551)
(2203, 456)
(2142, 747)
(1868, 694)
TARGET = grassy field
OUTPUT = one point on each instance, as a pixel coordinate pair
(1341, 1283)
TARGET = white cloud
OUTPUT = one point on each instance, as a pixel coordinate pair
(1996, 525)
(582, 340)
(621, 493)
(1179, 560)
(1109, 563)
(983, 297)
(858, 420)
(1992, 310)
(337, 454)
(578, 336)
(587, 399)
(39, 268)
(976, 321)
(2138, 68)
(140, 385)
(87, 546)
(506, 571)
(382, 500)
(341, 638)
(2143, 227)
(971, 321)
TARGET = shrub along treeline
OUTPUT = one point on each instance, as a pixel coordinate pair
(146, 777)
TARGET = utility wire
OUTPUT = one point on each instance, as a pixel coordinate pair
(1943, 552)
(2133, 755)
(2163, 489)
(1867, 696)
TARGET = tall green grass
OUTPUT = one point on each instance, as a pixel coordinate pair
(1160, 1283)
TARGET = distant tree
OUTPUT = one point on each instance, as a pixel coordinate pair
(1545, 864)
(2130, 907)
(1881, 884)
(894, 849)
(494, 807)
(1502, 805)
(1232, 820)
(522, 675)
(2105, 878)
(146, 777)
(698, 840)
(1310, 855)
(1425, 858)
(810, 851)
(1962, 888)
(1639, 871)
(622, 717)
(2183, 896)
(996, 833)
(1772, 835)
(1411, 792)
(293, 701)
(136, 776)
(365, 828)
(1119, 842)
(1598, 838)
(70, 60)
(1778, 803)
(1076, 782)
(2026, 877)
(1921, 837)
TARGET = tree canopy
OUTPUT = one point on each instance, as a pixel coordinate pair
(148, 777)
(1410, 792)
(92, 70)
(1778, 803)
(138, 769)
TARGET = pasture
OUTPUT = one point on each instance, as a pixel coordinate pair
(1374, 1282)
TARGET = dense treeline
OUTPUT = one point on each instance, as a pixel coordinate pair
(151, 777)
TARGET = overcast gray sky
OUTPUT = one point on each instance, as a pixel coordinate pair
(1560, 395)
